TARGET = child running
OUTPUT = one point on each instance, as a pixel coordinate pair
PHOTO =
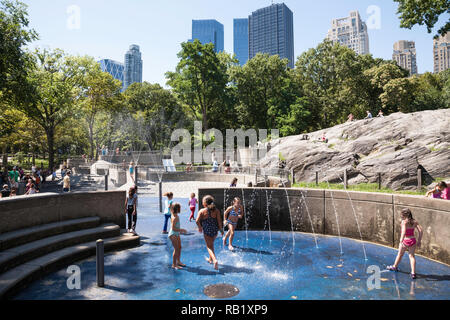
(192, 205)
(408, 241)
(174, 236)
(167, 210)
(209, 222)
(230, 219)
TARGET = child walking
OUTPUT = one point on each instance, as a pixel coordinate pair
(167, 210)
(131, 210)
(408, 241)
(230, 219)
(174, 236)
(192, 205)
(209, 223)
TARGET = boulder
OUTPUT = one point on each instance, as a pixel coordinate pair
(395, 146)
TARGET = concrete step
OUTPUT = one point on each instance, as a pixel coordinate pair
(19, 277)
(19, 255)
(20, 237)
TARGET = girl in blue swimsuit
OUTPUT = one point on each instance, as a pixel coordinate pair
(231, 218)
(209, 221)
(174, 236)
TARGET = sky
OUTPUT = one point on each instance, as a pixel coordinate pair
(106, 28)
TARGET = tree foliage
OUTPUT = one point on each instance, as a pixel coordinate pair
(423, 12)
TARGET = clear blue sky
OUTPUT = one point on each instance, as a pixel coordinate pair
(108, 27)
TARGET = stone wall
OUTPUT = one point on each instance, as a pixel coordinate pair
(195, 176)
(23, 212)
(378, 215)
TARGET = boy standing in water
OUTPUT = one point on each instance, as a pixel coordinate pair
(408, 241)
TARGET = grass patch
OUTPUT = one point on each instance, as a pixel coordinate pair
(363, 187)
(434, 149)
(27, 163)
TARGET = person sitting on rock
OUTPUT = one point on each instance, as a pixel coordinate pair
(351, 117)
(369, 115)
(436, 193)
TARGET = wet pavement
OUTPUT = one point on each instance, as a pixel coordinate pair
(260, 269)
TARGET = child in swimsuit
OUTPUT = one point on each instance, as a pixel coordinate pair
(209, 222)
(174, 236)
(167, 210)
(231, 218)
(408, 241)
(192, 205)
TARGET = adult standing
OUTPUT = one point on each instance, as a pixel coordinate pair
(66, 182)
(14, 178)
(209, 222)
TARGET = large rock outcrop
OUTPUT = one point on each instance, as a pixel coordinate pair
(395, 146)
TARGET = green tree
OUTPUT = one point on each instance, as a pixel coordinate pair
(423, 12)
(398, 95)
(200, 79)
(153, 113)
(54, 89)
(297, 120)
(432, 92)
(331, 77)
(377, 78)
(100, 93)
(262, 90)
(14, 35)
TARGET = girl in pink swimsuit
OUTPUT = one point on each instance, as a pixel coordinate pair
(408, 241)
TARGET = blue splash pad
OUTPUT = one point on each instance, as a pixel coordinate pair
(260, 268)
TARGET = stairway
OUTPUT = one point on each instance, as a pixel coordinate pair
(28, 254)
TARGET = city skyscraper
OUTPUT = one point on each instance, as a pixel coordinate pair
(405, 55)
(133, 66)
(441, 53)
(114, 68)
(271, 30)
(209, 31)
(351, 32)
(240, 39)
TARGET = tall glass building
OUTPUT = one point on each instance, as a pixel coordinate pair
(271, 30)
(209, 31)
(114, 68)
(241, 40)
(133, 66)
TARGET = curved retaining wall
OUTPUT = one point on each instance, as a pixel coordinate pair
(23, 212)
(378, 215)
(196, 176)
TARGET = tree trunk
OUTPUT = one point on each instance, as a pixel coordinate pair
(91, 140)
(205, 120)
(5, 160)
(51, 152)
